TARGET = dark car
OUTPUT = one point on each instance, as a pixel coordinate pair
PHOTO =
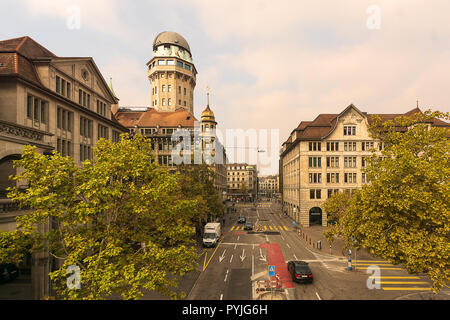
(8, 272)
(248, 226)
(300, 271)
(241, 219)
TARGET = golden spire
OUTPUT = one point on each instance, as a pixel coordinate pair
(207, 96)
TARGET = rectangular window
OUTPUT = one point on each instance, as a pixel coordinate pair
(84, 99)
(179, 64)
(63, 87)
(36, 109)
(88, 100)
(29, 107)
(43, 111)
(163, 88)
(68, 90)
(64, 112)
(169, 88)
(58, 118)
(58, 84)
(161, 62)
(187, 67)
(170, 62)
(169, 101)
(80, 97)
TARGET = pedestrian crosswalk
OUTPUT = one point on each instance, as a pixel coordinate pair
(263, 228)
(390, 277)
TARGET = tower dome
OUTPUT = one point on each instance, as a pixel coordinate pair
(169, 37)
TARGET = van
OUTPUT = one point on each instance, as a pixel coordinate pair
(211, 234)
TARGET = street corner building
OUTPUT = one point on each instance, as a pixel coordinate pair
(172, 76)
(242, 181)
(53, 103)
(325, 156)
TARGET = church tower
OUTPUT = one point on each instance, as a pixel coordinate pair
(172, 73)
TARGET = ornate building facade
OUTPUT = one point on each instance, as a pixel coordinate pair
(172, 76)
(325, 156)
(53, 103)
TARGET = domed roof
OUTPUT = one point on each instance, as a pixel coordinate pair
(169, 37)
(207, 112)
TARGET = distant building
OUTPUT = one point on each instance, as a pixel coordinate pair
(325, 156)
(242, 181)
(268, 185)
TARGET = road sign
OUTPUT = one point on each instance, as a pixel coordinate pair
(293, 223)
(271, 271)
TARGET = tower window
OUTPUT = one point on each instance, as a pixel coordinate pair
(187, 67)
(179, 64)
(161, 62)
(170, 62)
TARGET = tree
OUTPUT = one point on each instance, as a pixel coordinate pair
(403, 213)
(120, 218)
(197, 183)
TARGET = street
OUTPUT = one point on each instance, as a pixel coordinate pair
(233, 269)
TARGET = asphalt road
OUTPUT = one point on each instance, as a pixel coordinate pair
(232, 269)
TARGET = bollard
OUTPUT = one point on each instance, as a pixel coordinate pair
(313, 244)
(319, 245)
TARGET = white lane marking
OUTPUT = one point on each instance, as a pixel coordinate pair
(282, 238)
(221, 296)
(238, 238)
(235, 246)
(226, 275)
(231, 258)
(295, 257)
(318, 296)
(242, 257)
(253, 264)
(288, 245)
(222, 256)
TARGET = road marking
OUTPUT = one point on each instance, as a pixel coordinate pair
(380, 261)
(231, 258)
(406, 288)
(232, 228)
(222, 256)
(226, 275)
(382, 268)
(217, 247)
(265, 228)
(288, 245)
(221, 296)
(318, 296)
(401, 282)
(371, 264)
(242, 256)
(282, 237)
(270, 227)
(285, 228)
(253, 264)
(235, 245)
(295, 257)
(393, 277)
(238, 238)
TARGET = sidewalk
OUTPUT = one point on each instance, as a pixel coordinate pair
(311, 236)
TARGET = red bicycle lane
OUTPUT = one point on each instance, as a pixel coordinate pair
(275, 258)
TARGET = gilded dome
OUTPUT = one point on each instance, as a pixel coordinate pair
(207, 113)
(169, 37)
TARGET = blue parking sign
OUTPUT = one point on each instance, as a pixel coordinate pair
(271, 271)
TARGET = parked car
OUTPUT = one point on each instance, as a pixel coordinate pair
(241, 219)
(300, 271)
(248, 226)
(8, 271)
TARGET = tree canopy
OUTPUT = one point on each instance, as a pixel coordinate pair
(123, 220)
(403, 213)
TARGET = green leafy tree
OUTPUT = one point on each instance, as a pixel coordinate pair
(120, 218)
(197, 183)
(403, 213)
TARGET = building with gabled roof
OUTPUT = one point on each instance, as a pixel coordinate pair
(53, 103)
(325, 156)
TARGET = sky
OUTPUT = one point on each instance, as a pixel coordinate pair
(269, 64)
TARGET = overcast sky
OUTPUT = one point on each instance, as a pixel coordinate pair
(269, 64)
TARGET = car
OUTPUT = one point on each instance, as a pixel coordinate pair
(300, 271)
(248, 226)
(8, 271)
(241, 219)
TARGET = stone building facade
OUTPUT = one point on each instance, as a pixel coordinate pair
(172, 76)
(325, 156)
(53, 103)
(268, 185)
(242, 176)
